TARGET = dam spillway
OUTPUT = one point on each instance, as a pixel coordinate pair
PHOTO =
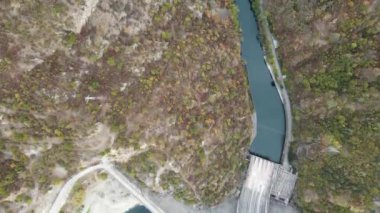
(266, 177)
(264, 180)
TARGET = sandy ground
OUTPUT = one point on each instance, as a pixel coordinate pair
(113, 197)
(108, 196)
(167, 203)
(42, 202)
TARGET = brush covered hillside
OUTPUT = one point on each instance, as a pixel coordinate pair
(157, 87)
(330, 51)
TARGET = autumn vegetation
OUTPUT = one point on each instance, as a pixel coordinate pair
(171, 91)
(329, 51)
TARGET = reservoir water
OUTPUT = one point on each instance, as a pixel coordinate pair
(138, 209)
(268, 106)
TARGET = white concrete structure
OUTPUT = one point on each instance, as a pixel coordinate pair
(283, 184)
(265, 179)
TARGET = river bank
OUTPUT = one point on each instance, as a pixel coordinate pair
(269, 139)
(269, 45)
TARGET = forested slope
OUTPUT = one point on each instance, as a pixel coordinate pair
(329, 51)
(158, 87)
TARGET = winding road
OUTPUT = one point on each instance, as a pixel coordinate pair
(109, 168)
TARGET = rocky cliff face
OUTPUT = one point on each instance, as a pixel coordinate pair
(156, 86)
(330, 54)
(34, 30)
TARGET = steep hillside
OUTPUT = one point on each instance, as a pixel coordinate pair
(156, 86)
(330, 54)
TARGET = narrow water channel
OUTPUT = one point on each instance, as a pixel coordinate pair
(268, 106)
